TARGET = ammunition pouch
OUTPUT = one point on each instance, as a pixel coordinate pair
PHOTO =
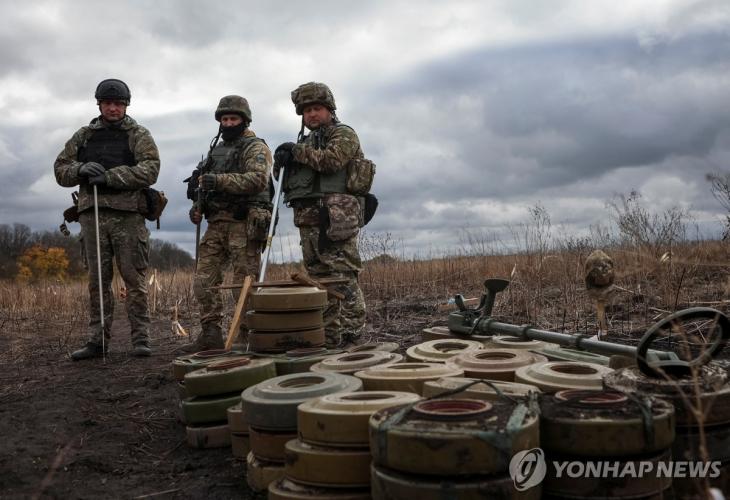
(71, 214)
(360, 175)
(258, 222)
(152, 203)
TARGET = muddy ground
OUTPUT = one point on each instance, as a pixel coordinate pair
(109, 429)
(105, 429)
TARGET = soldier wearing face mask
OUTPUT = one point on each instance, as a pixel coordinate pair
(231, 190)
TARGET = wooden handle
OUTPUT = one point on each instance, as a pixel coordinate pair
(306, 280)
(238, 314)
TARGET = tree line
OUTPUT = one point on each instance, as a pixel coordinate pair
(24, 252)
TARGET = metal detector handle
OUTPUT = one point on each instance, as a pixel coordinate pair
(675, 367)
(272, 225)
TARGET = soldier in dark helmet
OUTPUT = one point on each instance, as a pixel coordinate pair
(231, 190)
(324, 185)
(120, 158)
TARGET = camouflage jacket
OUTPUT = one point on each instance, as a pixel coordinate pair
(249, 177)
(123, 183)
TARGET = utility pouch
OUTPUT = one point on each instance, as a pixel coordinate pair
(71, 214)
(152, 204)
(258, 223)
(343, 211)
(369, 208)
(360, 175)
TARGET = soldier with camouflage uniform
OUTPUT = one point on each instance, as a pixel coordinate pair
(327, 214)
(234, 198)
(120, 157)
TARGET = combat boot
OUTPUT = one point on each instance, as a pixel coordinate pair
(141, 350)
(89, 351)
(211, 337)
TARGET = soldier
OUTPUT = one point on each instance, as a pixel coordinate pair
(120, 158)
(317, 186)
(234, 197)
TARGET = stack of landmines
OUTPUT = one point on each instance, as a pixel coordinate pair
(331, 457)
(270, 409)
(210, 390)
(285, 318)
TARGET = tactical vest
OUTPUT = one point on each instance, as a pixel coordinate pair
(302, 182)
(226, 160)
(110, 148)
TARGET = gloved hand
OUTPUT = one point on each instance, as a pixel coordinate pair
(208, 181)
(195, 216)
(97, 180)
(283, 154)
(91, 169)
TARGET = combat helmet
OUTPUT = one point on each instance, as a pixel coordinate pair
(233, 104)
(312, 93)
(113, 89)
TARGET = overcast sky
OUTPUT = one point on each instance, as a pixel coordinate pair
(472, 110)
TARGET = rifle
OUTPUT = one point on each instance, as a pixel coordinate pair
(195, 191)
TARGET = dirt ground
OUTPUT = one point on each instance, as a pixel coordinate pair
(109, 429)
(105, 429)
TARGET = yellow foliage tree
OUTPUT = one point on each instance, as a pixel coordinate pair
(38, 263)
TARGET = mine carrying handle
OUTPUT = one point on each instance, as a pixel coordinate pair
(651, 362)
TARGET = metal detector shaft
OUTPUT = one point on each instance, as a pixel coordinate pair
(98, 270)
(272, 225)
(486, 326)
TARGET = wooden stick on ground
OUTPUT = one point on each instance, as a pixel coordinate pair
(238, 314)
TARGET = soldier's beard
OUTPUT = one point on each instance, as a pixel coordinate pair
(230, 133)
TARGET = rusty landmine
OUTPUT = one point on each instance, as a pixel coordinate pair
(452, 409)
(408, 440)
(408, 377)
(288, 299)
(349, 363)
(438, 351)
(713, 383)
(509, 342)
(716, 438)
(284, 321)
(269, 445)
(618, 486)
(327, 466)
(342, 419)
(494, 364)
(208, 436)
(393, 485)
(285, 489)
(375, 346)
(237, 419)
(185, 364)
(604, 423)
(261, 473)
(442, 333)
(279, 342)
(485, 390)
(555, 376)
(240, 445)
(301, 360)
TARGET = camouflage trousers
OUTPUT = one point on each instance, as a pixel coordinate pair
(123, 237)
(224, 243)
(342, 319)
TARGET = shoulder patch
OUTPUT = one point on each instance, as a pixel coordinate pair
(260, 158)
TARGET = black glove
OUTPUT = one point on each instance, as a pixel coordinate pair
(91, 169)
(208, 182)
(283, 154)
(97, 180)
